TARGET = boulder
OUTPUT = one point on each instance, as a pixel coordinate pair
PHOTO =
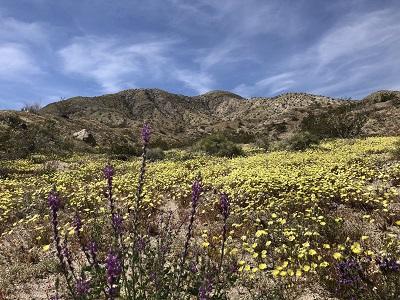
(85, 136)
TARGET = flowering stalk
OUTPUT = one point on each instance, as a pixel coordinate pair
(139, 190)
(68, 257)
(108, 174)
(145, 141)
(196, 191)
(224, 206)
(113, 271)
(82, 287)
(53, 201)
(78, 227)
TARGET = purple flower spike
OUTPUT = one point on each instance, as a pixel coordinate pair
(54, 201)
(114, 269)
(224, 203)
(117, 223)
(146, 133)
(77, 223)
(196, 191)
(92, 247)
(108, 172)
(387, 265)
(82, 287)
(205, 290)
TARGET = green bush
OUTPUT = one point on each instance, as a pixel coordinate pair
(154, 154)
(339, 122)
(396, 150)
(301, 141)
(124, 149)
(218, 145)
(263, 143)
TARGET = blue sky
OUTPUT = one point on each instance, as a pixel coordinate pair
(59, 49)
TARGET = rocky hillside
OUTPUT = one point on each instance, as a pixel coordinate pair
(97, 122)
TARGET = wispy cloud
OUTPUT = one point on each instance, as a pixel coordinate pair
(358, 49)
(15, 62)
(17, 58)
(198, 81)
(116, 65)
(274, 84)
(14, 30)
(113, 64)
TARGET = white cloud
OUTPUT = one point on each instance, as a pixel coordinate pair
(116, 65)
(113, 64)
(16, 62)
(273, 84)
(354, 56)
(13, 30)
(198, 81)
(17, 59)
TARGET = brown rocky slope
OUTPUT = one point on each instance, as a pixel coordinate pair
(179, 120)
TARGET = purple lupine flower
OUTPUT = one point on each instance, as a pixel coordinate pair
(387, 265)
(108, 172)
(82, 287)
(196, 191)
(140, 244)
(193, 267)
(53, 201)
(349, 272)
(205, 290)
(117, 222)
(67, 254)
(77, 223)
(146, 134)
(92, 246)
(224, 205)
(113, 271)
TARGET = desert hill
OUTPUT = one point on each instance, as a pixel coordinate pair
(178, 120)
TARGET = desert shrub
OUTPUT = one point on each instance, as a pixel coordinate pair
(218, 145)
(263, 143)
(154, 154)
(138, 258)
(240, 136)
(179, 155)
(396, 150)
(123, 150)
(32, 108)
(339, 122)
(159, 142)
(301, 141)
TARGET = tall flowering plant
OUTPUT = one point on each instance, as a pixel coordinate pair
(140, 260)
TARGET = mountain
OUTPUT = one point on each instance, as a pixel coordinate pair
(179, 120)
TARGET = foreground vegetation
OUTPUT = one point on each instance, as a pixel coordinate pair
(324, 221)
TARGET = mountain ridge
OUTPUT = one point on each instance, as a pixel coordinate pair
(178, 120)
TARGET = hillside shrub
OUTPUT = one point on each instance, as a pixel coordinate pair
(301, 141)
(396, 150)
(123, 150)
(32, 108)
(20, 140)
(264, 143)
(339, 122)
(218, 145)
(155, 154)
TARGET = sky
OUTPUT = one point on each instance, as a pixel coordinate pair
(50, 50)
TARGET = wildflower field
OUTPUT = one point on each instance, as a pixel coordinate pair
(323, 223)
